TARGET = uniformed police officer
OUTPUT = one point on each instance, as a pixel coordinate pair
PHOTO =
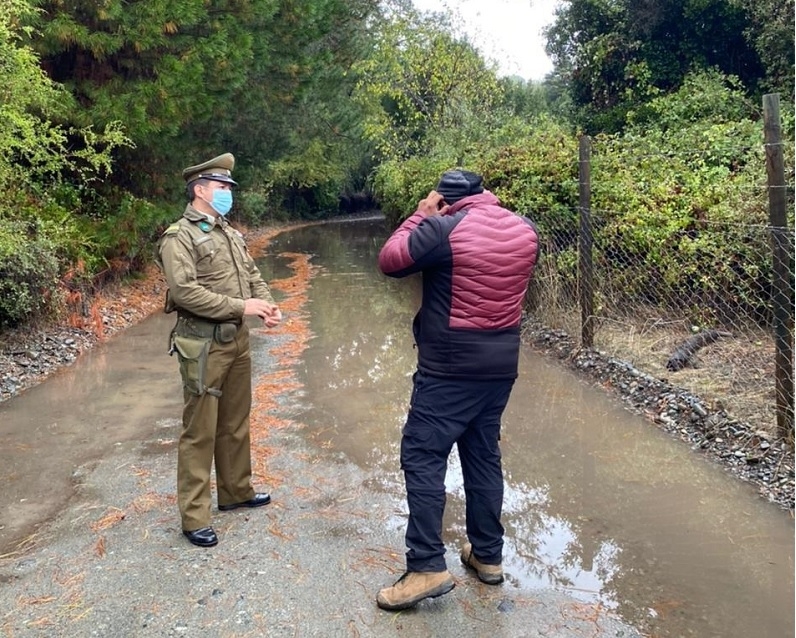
(213, 283)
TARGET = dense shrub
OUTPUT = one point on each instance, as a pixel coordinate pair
(530, 166)
(128, 234)
(536, 174)
(680, 204)
(28, 273)
(400, 185)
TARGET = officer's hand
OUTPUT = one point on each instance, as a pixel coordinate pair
(432, 205)
(274, 318)
(262, 309)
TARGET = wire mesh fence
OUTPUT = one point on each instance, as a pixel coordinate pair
(712, 336)
(707, 305)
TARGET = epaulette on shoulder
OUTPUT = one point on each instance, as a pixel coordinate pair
(173, 229)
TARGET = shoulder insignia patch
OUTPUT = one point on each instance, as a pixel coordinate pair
(173, 229)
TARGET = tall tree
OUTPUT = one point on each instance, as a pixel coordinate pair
(158, 66)
(40, 158)
(265, 79)
(429, 98)
(422, 80)
(771, 32)
(614, 54)
(296, 125)
(34, 147)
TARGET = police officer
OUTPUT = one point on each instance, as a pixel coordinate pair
(213, 283)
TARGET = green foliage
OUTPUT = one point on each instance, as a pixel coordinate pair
(401, 185)
(534, 172)
(705, 97)
(28, 273)
(128, 231)
(524, 99)
(309, 172)
(152, 64)
(263, 79)
(105, 102)
(612, 56)
(259, 207)
(431, 103)
(26, 91)
(680, 207)
(296, 130)
(678, 199)
(51, 215)
(421, 82)
(528, 165)
(770, 30)
(33, 148)
(46, 169)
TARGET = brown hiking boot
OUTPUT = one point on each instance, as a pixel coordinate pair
(489, 574)
(413, 587)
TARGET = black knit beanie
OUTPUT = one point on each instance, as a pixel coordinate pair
(457, 184)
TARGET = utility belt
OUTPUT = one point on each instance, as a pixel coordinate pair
(189, 325)
(190, 339)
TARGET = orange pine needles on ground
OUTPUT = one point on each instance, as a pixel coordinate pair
(290, 339)
(108, 520)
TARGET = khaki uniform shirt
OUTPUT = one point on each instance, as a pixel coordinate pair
(208, 269)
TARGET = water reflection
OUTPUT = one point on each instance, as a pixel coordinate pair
(598, 502)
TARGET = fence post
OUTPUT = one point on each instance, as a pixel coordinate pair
(585, 242)
(782, 282)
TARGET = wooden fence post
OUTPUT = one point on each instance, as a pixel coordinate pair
(782, 278)
(586, 241)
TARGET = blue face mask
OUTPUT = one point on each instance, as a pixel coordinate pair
(222, 201)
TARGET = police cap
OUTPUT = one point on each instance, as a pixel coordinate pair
(218, 169)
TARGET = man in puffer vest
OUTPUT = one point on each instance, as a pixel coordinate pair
(476, 259)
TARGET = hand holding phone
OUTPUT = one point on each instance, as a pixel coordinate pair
(433, 204)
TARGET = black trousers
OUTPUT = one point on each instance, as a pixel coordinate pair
(444, 412)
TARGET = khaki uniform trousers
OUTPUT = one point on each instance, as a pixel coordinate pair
(215, 426)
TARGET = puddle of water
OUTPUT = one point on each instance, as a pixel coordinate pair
(112, 393)
(608, 507)
(599, 503)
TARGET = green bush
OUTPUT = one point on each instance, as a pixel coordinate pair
(28, 274)
(127, 236)
(536, 174)
(680, 205)
(528, 165)
(400, 185)
(257, 207)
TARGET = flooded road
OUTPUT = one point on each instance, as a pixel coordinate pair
(118, 391)
(599, 503)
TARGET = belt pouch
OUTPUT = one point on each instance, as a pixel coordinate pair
(225, 332)
(192, 354)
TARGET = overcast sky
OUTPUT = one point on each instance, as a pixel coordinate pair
(507, 31)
